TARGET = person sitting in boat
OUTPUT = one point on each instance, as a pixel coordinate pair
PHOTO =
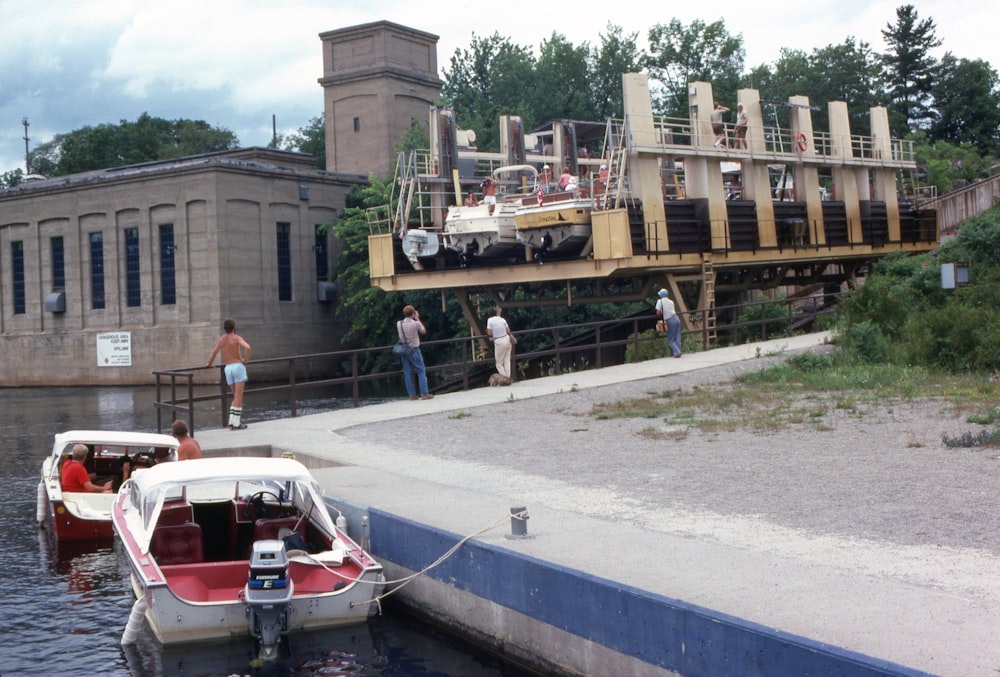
(146, 460)
(75, 476)
(470, 200)
(490, 186)
(564, 178)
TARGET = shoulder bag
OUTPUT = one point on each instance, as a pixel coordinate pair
(513, 339)
(402, 348)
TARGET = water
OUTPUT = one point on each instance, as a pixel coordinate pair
(64, 608)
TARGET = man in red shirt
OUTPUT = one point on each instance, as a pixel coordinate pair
(75, 476)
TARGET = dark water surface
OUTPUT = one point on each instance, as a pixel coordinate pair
(63, 610)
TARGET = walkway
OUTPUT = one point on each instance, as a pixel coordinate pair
(446, 462)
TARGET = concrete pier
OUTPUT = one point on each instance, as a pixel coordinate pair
(587, 593)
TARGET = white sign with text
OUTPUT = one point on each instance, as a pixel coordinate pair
(114, 349)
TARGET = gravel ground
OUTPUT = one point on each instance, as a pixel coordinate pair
(862, 471)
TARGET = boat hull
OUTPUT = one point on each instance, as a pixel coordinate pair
(174, 620)
(474, 232)
(560, 228)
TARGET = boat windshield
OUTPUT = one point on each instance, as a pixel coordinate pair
(306, 496)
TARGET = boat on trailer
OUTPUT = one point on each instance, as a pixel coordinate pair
(222, 547)
(86, 516)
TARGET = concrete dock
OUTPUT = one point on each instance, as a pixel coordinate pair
(756, 598)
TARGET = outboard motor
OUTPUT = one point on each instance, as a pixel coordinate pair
(267, 594)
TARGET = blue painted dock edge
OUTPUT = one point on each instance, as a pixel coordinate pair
(669, 634)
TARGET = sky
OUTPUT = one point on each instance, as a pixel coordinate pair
(67, 64)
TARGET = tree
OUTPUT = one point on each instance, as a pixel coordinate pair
(967, 99)
(562, 82)
(493, 77)
(910, 69)
(11, 178)
(145, 140)
(946, 164)
(617, 54)
(681, 54)
(309, 139)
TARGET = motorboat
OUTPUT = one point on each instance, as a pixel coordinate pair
(221, 547)
(554, 224)
(474, 232)
(86, 516)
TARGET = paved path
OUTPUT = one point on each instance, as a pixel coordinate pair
(461, 460)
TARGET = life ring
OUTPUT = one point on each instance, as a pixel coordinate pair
(801, 141)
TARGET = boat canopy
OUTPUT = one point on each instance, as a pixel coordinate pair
(221, 479)
(117, 441)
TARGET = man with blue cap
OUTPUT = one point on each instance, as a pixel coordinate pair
(665, 311)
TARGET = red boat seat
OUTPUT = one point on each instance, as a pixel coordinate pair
(269, 528)
(178, 544)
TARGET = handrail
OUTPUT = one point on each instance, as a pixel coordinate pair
(555, 349)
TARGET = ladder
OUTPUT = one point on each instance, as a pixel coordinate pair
(616, 158)
(708, 296)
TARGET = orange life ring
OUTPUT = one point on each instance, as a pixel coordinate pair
(801, 140)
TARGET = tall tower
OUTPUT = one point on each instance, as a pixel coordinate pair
(377, 77)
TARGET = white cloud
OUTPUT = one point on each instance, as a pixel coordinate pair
(66, 64)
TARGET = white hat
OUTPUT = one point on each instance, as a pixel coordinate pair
(662, 293)
(604, 166)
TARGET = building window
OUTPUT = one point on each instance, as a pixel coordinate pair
(17, 275)
(58, 264)
(357, 124)
(96, 271)
(133, 295)
(168, 277)
(322, 259)
(284, 262)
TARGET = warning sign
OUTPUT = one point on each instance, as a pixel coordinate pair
(114, 349)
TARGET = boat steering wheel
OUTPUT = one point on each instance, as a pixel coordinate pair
(260, 505)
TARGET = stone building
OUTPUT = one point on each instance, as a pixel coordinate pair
(109, 275)
(377, 79)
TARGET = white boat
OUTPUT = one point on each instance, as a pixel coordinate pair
(219, 547)
(86, 516)
(475, 233)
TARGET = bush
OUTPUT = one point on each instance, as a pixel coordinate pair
(864, 342)
(757, 316)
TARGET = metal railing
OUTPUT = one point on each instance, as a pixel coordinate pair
(541, 352)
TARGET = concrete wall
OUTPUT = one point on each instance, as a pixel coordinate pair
(575, 623)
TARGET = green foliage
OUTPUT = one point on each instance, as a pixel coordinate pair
(865, 342)
(900, 315)
(967, 101)
(145, 140)
(946, 163)
(758, 314)
(910, 69)
(309, 139)
(680, 54)
(11, 178)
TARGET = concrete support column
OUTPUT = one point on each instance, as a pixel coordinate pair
(806, 175)
(644, 169)
(845, 180)
(884, 178)
(756, 183)
(703, 174)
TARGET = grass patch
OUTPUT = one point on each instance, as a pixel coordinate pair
(460, 414)
(803, 390)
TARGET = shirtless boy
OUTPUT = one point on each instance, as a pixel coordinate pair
(235, 354)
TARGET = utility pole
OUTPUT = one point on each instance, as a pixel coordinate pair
(27, 165)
